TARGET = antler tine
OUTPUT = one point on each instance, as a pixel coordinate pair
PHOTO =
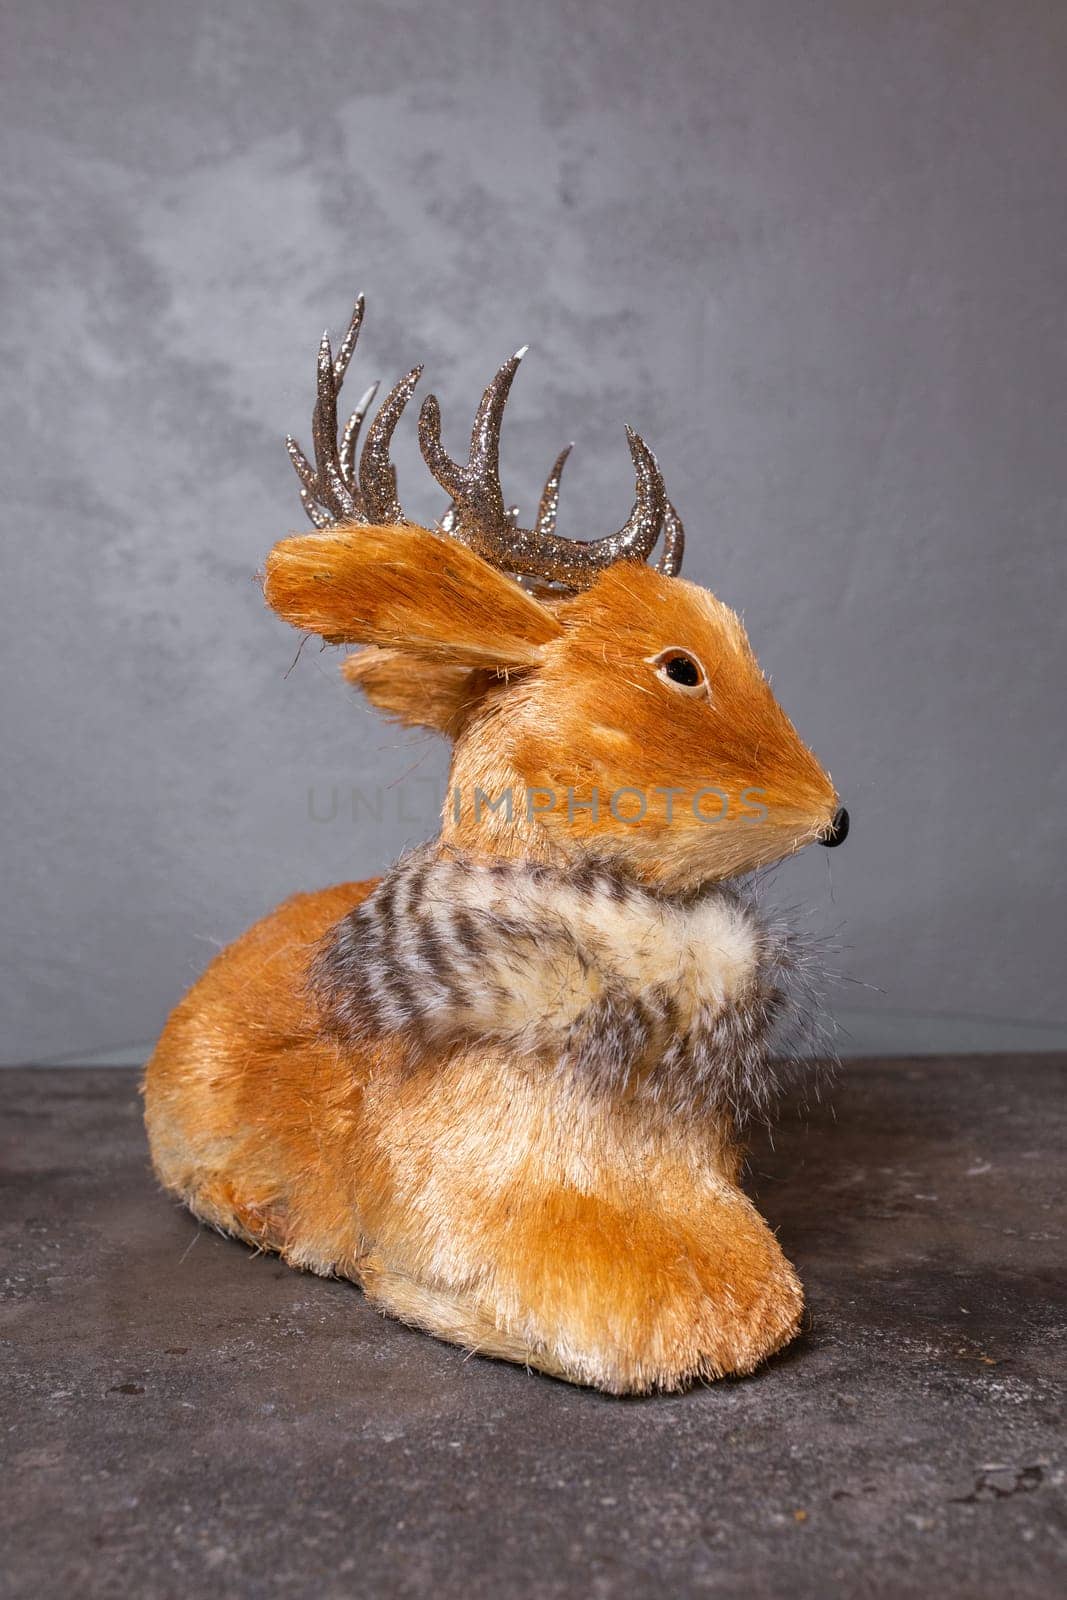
(482, 520)
(635, 540)
(331, 490)
(350, 436)
(548, 505)
(377, 475)
(484, 464)
(348, 343)
(309, 483)
(449, 474)
(670, 561)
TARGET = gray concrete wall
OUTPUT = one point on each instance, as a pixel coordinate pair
(816, 252)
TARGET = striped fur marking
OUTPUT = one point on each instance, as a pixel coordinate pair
(625, 991)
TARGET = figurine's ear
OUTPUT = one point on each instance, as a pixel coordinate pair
(405, 586)
(416, 690)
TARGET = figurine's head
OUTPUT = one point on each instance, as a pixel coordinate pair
(598, 705)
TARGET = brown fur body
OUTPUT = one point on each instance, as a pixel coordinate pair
(470, 1189)
(475, 1197)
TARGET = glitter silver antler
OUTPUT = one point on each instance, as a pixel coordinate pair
(479, 517)
(670, 561)
(333, 491)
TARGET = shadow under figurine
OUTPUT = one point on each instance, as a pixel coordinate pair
(504, 1087)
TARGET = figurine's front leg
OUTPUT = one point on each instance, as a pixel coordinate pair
(627, 1298)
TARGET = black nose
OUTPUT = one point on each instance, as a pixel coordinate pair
(837, 832)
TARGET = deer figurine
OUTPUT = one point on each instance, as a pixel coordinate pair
(505, 1087)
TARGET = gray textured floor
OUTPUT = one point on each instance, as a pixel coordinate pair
(186, 1418)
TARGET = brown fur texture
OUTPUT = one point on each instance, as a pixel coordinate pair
(556, 1218)
(471, 1195)
(368, 585)
(418, 691)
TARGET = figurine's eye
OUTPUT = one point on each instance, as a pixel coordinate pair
(682, 670)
